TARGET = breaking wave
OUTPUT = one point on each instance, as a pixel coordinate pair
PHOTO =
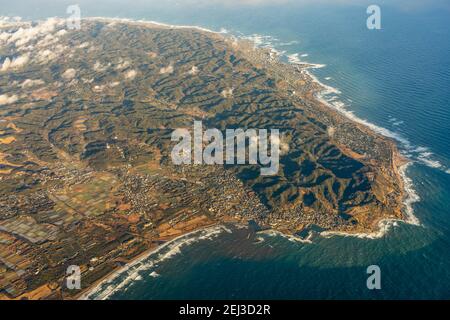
(292, 238)
(130, 273)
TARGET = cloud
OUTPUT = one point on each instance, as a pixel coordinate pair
(131, 74)
(123, 64)
(227, 93)
(101, 88)
(84, 45)
(39, 41)
(32, 83)
(69, 74)
(61, 32)
(15, 63)
(48, 40)
(99, 67)
(331, 130)
(193, 71)
(4, 36)
(84, 80)
(168, 69)
(5, 99)
(46, 55)
(26, 34)
(98, 88)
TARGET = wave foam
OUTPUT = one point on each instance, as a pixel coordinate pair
(155, 274)
(412, 196)
(384, 226)
(132, 272)
(292, 238)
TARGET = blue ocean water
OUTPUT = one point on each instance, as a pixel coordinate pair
(397, 78)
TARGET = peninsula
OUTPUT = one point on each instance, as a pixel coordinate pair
(86, 176)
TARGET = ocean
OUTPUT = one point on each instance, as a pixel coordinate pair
(396, 80)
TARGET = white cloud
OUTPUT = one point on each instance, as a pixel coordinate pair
(4, 36)
(84, 80)
(61, 32)
(46, 55)
(5, 99)
(15, 63)
(48, 40)
(331, 130)
(98, 88)
(103, 87)
(84, 45)
(99, 67)
(131, 74)
(26, 34)
(32, 83)
(69, 74)
(122, 64)
(6, 64)
(227, 93)
(193, 71)
(168, 69)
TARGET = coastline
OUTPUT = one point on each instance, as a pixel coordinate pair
(384, 225)
(202, 233)
(400, 162)
(402, 159)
